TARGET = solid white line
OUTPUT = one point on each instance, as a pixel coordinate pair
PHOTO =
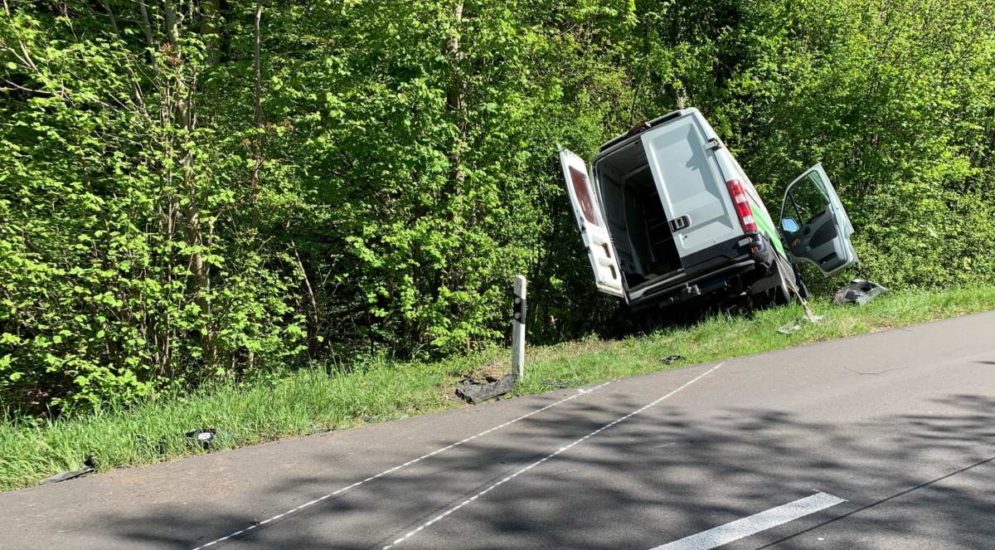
(411, 462)
(751, 525)
(561, 450)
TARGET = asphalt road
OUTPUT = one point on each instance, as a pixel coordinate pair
(880, 441)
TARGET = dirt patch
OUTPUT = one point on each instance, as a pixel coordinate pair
(489, 372)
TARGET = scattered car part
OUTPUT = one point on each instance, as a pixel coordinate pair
(858, 292)
(474, 393)
(203, 436)
(89, 466)
(795, 326)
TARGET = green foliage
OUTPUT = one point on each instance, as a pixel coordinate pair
(170, 215)
(131, 260)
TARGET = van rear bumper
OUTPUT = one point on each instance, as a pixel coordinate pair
(747, 257)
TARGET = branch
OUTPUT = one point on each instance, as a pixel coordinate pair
(146, 24)
(26, 60)
(110, 16)
(259, 78)
(258, 98)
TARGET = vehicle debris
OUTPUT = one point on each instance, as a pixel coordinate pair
(474, 392)
(795, 326)
(858, 292)
(89, 466)
(203, 436)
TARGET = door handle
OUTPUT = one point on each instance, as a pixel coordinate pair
(682, 222)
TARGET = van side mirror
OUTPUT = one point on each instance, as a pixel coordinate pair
(789, 225)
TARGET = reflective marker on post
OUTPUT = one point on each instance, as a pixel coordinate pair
(518, 328)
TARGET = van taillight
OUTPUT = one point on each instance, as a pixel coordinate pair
(742, 204)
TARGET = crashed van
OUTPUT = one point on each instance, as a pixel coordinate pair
(667, 215)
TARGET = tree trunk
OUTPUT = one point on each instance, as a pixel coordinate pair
(182, 115)
(455, 99)
(210, 26)
(258, 91)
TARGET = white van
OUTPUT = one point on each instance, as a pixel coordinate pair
(671, 215)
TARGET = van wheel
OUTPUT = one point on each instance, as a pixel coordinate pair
(779, 295)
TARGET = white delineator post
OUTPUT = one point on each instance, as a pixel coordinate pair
(518, 328)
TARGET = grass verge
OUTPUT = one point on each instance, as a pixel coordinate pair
(311, 401)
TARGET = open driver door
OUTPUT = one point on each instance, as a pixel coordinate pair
(815, 226)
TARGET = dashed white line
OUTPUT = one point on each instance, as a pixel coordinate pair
(559, 451)
(751, 525)
(338, 492)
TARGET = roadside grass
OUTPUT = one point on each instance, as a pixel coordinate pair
(316, 400)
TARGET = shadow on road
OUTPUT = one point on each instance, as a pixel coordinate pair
(658, 475)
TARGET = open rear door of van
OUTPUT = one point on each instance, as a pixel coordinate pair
(593, 230)
(691, 184)
(815, 226)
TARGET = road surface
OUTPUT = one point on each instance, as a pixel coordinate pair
(879, 441)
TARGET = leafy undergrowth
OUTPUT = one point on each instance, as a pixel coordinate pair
(315, 400)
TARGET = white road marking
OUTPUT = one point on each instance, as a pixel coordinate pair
(751, 525)
(411, 462)
(559, 451)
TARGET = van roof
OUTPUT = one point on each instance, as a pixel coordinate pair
(643, 126)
